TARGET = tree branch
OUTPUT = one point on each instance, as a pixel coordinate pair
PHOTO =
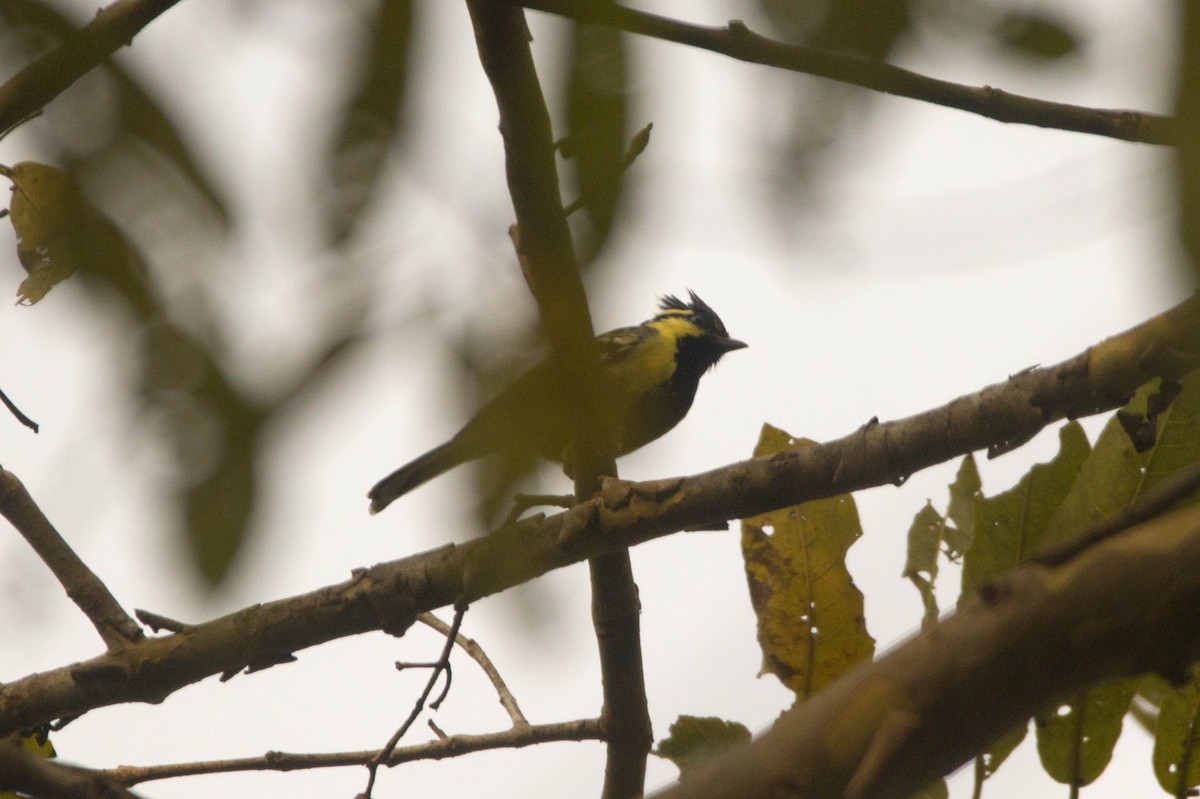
(737, 41)
(472, 648)
(452, 746)
(30, 774)
(1027, 641)
(547, 257)
(389, 596)
(32, 88)
(85, 589)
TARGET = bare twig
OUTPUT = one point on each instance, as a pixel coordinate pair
(84, 588)
(30, 774)
(507, 700)
(737, 41)
(15, 411)
(450, 746)
(114, 26)
(637, 145)
(441, 667)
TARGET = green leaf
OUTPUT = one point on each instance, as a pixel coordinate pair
(693, 740)
(1075, 742)
(1010, 525)
(964, 491)
(810, 613)
(1178, 441)
(989, 761)
(925, 538)
(1176, 744)
(936, 790)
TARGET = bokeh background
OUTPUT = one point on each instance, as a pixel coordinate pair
(336, 290)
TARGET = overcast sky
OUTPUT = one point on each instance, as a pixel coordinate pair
(939, 252)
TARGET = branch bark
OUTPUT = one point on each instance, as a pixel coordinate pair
(1028, 640)
(739, 42)
(85, 589)
(547, 256)
(389, 596)
(32, 88)
(453, 746)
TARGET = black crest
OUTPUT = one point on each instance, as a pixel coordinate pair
(699, 311)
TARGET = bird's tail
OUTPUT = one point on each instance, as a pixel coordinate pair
(410, 475)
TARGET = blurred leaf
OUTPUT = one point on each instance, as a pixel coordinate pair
(810, 613)
(1010, 525)
(869, 28)
(693, 740)
(1076, 741)
(596, 112)
(372, 119)
(964, 492)
(138, 114)
(1036, 33)
(925, 538)
(59, 232)
(213, 429)
(1176, 744)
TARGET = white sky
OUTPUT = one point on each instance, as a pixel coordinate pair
(943, 253)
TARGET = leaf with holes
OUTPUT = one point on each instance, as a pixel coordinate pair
(810, 614)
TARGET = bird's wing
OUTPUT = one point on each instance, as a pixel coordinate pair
(617, 345)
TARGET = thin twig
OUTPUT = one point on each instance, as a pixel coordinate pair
(15, 411)
(637, 146)
(443, 666)
(84, 588)
(737, 41)
(472, 648)
(450, 746)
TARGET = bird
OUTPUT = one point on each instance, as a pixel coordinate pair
(649, 376)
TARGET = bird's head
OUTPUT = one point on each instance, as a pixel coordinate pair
(699, 333)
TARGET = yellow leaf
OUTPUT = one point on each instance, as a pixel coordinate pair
(810, 613)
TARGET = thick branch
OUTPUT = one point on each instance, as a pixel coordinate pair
(114, 26)
(547, 255)
(1030, 639)
(737, 41)
(389, 596)
(84, 588)
(453, 746)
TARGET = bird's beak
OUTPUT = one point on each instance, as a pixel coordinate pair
(731, 344)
